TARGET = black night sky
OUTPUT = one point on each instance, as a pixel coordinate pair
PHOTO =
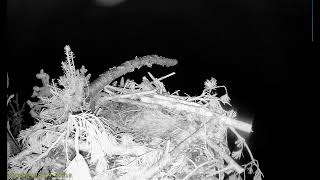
(258, 49)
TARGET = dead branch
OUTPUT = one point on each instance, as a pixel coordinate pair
(128, 66)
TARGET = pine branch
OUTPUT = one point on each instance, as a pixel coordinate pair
(128, 66)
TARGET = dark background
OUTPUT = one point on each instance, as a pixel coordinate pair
(259, 49)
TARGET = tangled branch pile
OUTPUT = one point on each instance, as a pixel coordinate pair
(125, 130)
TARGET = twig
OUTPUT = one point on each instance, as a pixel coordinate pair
(194, 164)
(132, 95)
(108, 91)
(174, 100)
(121, 90)
(166, 76)
(159, 165)
(138, 103)
(205, 141)
(198, 167)
(153, 78)
(12, 138)
(247, 147)
(157, 82)
(227, 158)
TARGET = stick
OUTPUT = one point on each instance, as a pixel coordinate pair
(225, 156)
(195, 109)
(180, 105)
(166, 76)
(247, 147)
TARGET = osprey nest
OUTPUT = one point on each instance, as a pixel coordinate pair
(122, 130)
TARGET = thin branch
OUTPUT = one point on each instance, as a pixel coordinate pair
(166, 76)
(247, 147)
(201, 165)
(226, 157)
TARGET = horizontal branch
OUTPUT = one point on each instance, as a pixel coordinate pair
(170, 103)
(180, 105)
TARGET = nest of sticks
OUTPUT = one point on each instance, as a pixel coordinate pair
(120, 129)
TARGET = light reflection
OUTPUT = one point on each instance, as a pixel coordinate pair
(108, 3)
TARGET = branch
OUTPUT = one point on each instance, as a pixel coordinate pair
(227, 158)
(128, 66)
(194, 108)
(201, 165)
(247, 147)
(159, 100)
